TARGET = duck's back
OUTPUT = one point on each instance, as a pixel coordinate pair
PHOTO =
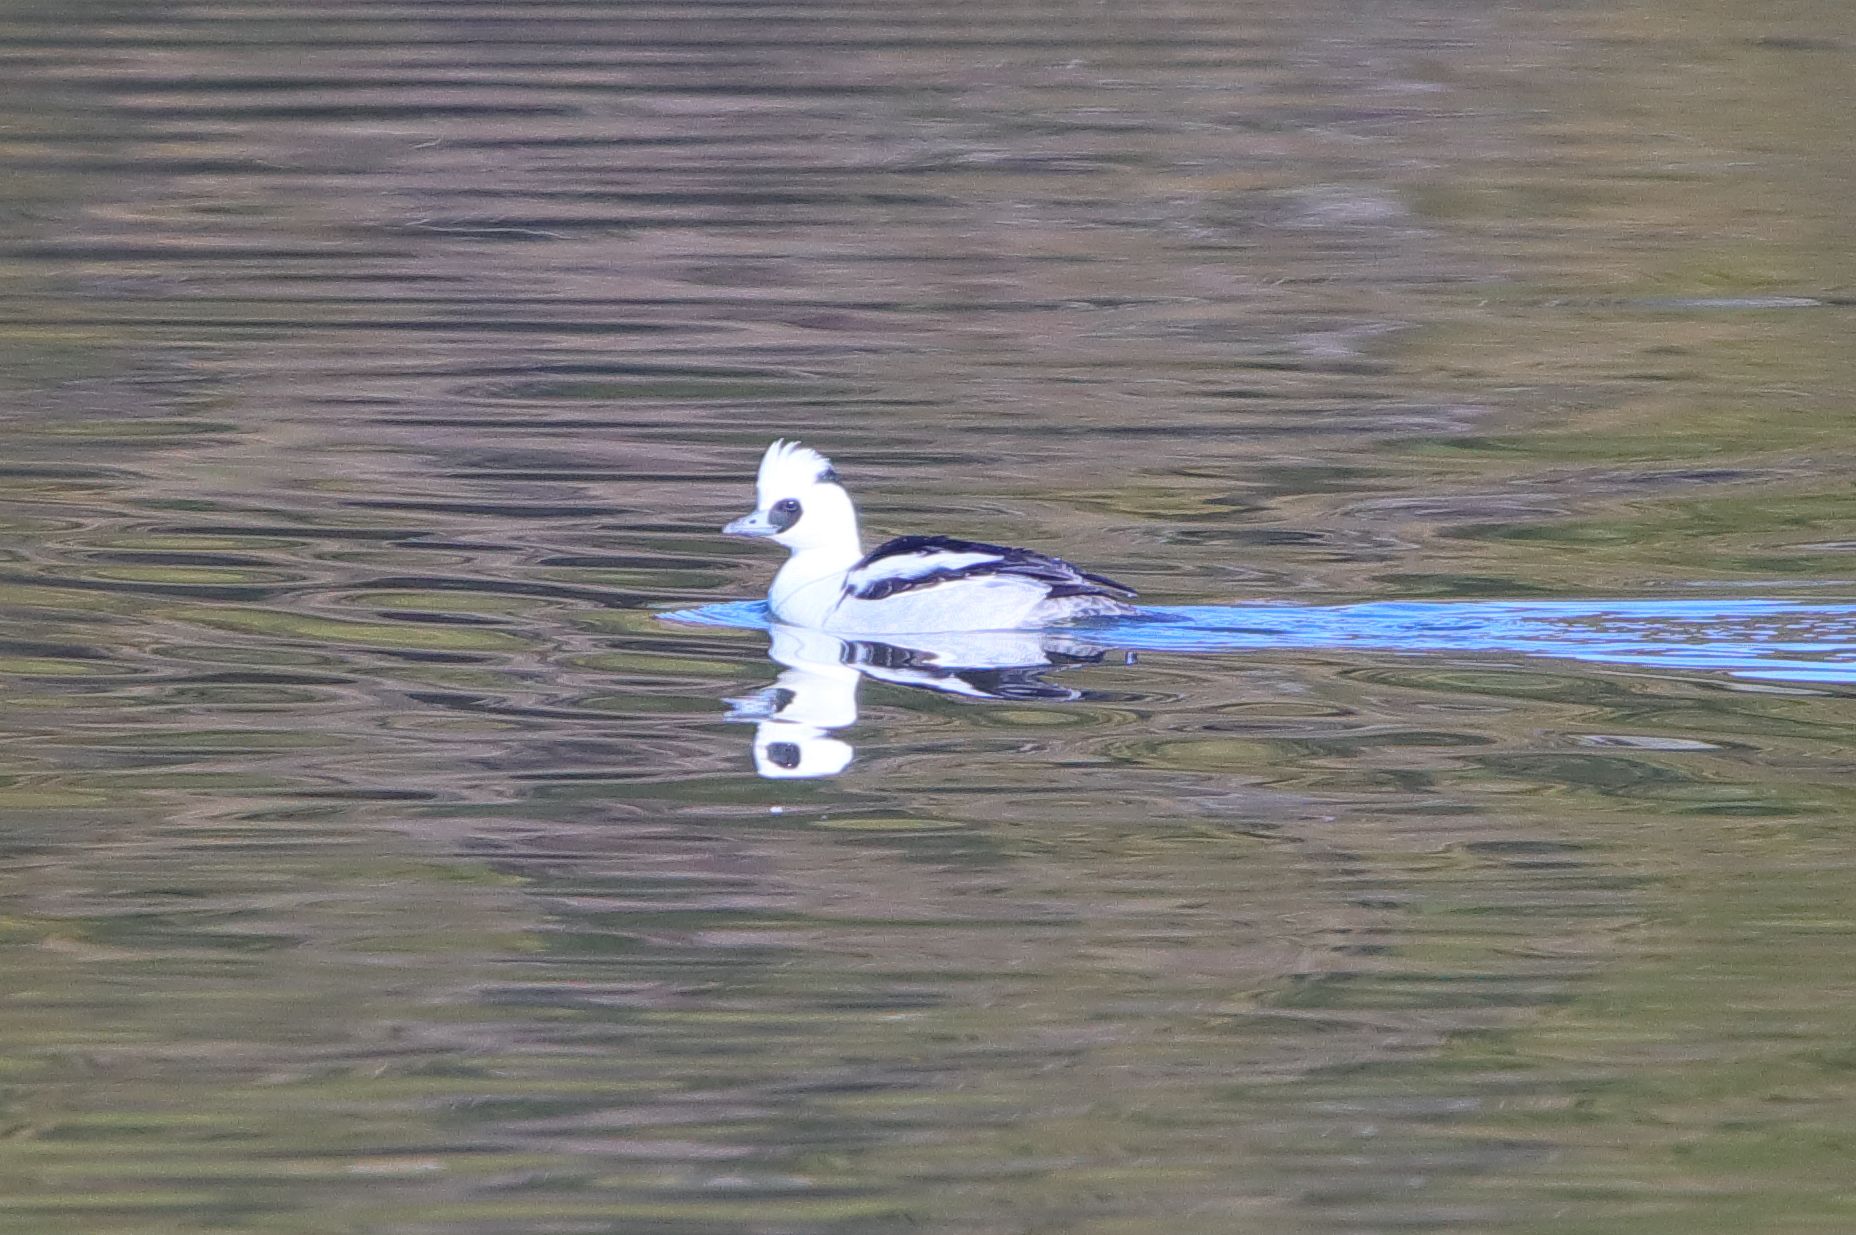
(927, 583)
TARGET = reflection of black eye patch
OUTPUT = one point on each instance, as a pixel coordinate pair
(783, 755)
(784, 514)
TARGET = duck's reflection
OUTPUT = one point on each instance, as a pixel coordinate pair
(816, 694)
(1809, 643)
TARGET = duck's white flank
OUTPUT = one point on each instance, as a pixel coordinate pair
(912, 584)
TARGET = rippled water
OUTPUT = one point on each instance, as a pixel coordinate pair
(1466, 845)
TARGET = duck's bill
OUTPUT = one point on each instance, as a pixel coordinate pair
(750, 525)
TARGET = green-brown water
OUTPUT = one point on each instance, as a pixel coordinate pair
(374, 860)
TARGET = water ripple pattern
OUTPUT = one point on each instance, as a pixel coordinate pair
(1794, 641)
(375, 860)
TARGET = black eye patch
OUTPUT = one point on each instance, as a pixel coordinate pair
(784, 514)
(783, 755)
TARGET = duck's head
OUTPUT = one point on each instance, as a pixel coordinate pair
(800, 503)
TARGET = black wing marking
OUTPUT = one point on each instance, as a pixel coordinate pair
(884, 571)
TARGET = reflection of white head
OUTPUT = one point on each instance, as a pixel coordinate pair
(798, 752)
(814, 695)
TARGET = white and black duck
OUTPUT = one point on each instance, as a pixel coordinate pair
(912, 584)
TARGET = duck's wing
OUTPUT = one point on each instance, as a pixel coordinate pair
(910, 562)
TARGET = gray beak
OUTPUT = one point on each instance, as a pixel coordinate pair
(750, 525)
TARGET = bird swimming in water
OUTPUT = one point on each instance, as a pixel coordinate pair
(912, 584)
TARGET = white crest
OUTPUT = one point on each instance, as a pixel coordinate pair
(789, 468)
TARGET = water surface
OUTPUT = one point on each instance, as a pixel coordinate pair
(376, 859)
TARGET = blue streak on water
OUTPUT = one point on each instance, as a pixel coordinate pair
(1779, 640)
